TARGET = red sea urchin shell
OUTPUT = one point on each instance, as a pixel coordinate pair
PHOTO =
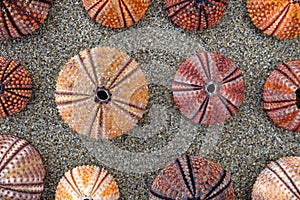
(195, 14)
(101, 93)
(282, 95)
(21, 17)
(21, 170)
(87, 183)
(192, 177)
(280, 180)
(208, 88)
(116, 13)
(280, 18)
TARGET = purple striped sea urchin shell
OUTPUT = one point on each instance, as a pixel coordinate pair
(21, 170)
(208, 88)
(192, 178)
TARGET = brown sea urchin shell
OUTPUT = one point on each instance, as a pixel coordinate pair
(195, 14)
(192, 177)
(87, 183)
(21, 17)
(116, 13)
(15, 87)
(21, 170)
(280, 180)
(281, 95)
(208, 88)
(280, 18)
(101, 93)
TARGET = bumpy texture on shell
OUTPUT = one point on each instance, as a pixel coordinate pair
(280, 18)
(280, 180)
(192, 177)
(21, 170)
(208, 88)
(15, 87)
(282, 95)
(195, 14)
(101, 93)
(21, 17)
(116, 13)
(87, 183)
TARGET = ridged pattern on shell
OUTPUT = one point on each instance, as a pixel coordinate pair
(116, 13)
(87, 182)
(21, 17)
(108, 68)
(191, 88)
(280, 98)
(15, 87)
(280, 18)
(192, 177)
(195, 14)
(280, 180)
(21, 170)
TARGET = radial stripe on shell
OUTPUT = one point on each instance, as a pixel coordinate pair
(116, 13)
(87, 183)
(195, 14)
(15, 87)
(21, 17)
(280, 180)
(280, 18)
(281, 95)
(208, 88)
(101, 93)
(192, 177)
(21, 170)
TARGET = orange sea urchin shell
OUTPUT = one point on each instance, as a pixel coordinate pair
(21, 17)
(208, 88)
(15, 87)
(280, 18)
(116, 13)
(282, 95)
(21, 170)
(101, 93)
(195, 14)
(87, 183)
(192, 177)
(280, 180)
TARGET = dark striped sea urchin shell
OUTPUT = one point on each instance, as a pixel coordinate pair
(15, 87)
(21, 17)
(192, 178)
(116, 13)
(208, 88)
(195, 14)
(281, 95)
(21, 170)
(101, 93)
(280, 180)
(280, 18)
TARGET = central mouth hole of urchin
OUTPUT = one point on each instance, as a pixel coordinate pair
(85, 197)
(102, 95)
(211, 88)
(297, 92)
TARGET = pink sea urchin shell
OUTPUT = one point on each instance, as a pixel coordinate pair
(208, 88)
(192, 177)
(21, 170)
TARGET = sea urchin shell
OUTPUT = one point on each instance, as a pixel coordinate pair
(21, 17)
(208, 88)
(192, 177)
(87, 183)
(101, 93)
(281, 95)
(195, 14)
(21, 170)
(280, 180)
(15, 87)
(280, 18)
(116, 13)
